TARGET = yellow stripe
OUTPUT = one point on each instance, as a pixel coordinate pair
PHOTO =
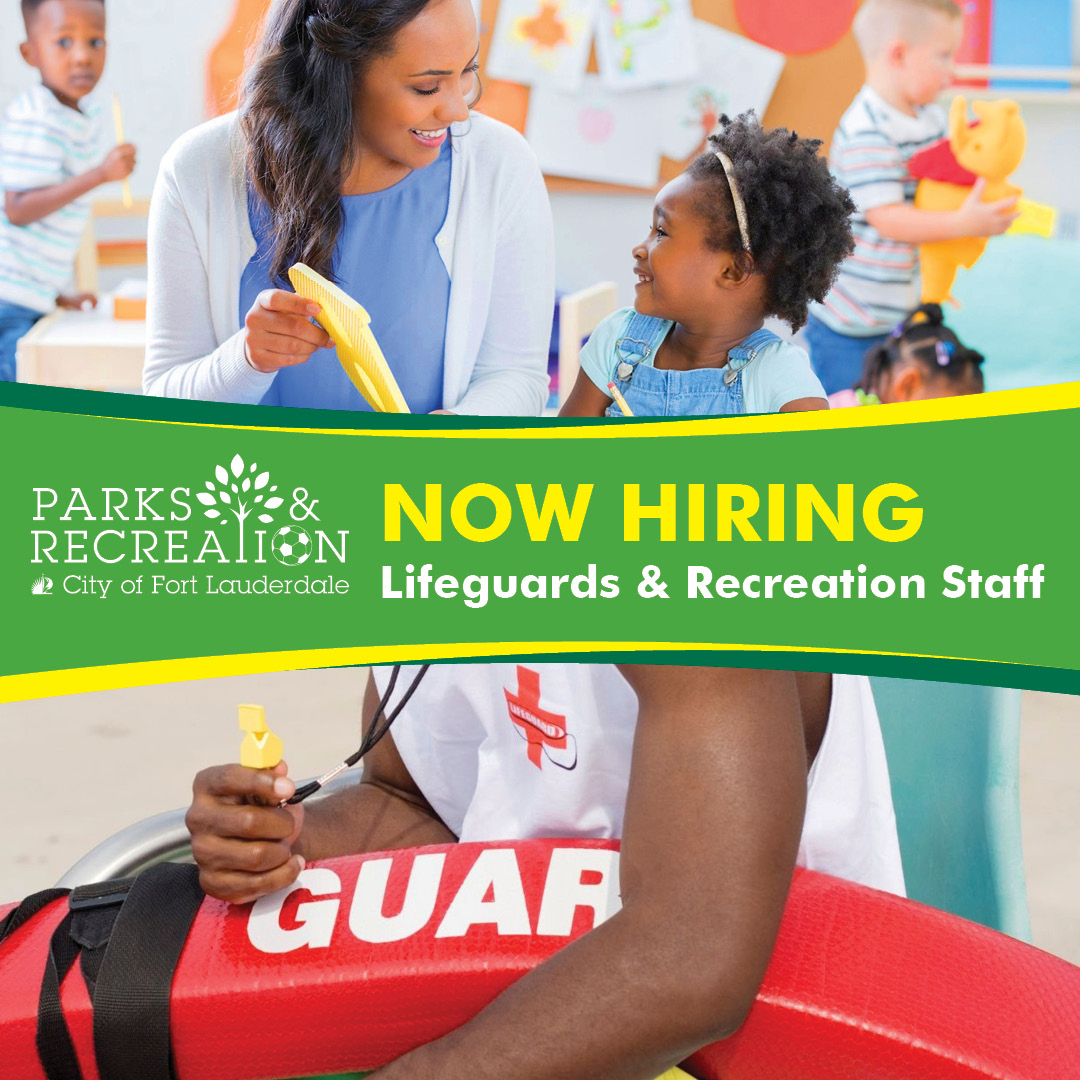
(44, 684)
(1035, 399)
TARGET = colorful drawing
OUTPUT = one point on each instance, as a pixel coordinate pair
(736, 75)
(545, 31)
(645, 43)
(598, 134)
(542, 42)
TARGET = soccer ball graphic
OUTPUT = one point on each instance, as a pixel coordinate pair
(291, 545)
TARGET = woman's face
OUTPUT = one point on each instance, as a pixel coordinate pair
(408, 99)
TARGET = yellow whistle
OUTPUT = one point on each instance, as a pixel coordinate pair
(260, 748)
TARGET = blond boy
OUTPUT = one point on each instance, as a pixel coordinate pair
(908, 47)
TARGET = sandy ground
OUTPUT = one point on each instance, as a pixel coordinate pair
(79, 769)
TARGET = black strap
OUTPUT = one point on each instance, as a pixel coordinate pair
(25, 911)
(131, 1000)
(85, 929)
(54, 1045)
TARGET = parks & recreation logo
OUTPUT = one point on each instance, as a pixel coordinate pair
(236, 515)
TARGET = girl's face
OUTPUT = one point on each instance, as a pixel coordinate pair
(678, 276)
(407, 100)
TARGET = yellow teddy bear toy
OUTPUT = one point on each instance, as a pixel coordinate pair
(989, 149)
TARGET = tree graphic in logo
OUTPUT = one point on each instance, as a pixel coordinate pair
(237, 494)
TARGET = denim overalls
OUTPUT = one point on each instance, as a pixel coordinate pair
(702, 392)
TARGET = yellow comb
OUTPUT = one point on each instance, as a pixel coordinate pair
(349, 325)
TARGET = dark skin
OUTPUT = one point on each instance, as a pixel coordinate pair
(909, 380)
(715, 298)
(720, 762)
(65, 41)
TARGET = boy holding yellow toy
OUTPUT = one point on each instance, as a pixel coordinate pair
(908, 46)
(51, 158)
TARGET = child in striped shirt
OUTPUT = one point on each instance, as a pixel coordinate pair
(908, 46)
(50, 159)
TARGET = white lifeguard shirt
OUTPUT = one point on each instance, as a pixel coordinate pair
(517, 751)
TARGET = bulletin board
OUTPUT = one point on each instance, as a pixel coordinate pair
(814, 89)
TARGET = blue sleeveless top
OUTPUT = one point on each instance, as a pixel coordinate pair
(386, 259)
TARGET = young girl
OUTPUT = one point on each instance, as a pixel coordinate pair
(756, 226)
(922, 358)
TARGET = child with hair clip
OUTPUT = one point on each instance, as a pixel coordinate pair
(755, 227)
(920, 359)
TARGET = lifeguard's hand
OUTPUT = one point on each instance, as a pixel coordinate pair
(278, 332)
(240, 838)
(986, 218)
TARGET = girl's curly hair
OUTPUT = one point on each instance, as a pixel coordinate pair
(799, 217)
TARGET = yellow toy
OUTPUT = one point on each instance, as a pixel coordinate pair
(675, 1074)
(261, 748)
(349, 325)
(1035, 218)
(991, 149)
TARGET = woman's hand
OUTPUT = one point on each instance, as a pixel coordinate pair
(241, 839)
(278, 332)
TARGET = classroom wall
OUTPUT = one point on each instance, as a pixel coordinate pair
(157, 51)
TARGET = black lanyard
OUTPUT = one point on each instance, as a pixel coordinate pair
(374, 733)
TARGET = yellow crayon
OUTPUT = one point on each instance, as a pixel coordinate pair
(118, 120)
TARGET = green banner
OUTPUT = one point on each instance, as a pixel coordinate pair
(147, 540)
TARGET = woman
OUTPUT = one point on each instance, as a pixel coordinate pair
(354, 152)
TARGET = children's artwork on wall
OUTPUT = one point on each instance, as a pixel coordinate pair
(597, 134)
(734, 74)
(542, 42)
(796, 27)
(645, 43)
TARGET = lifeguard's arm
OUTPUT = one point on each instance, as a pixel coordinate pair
(586, 399)
(713, 817)
(385, 811)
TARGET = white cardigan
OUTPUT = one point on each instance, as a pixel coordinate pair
(497, 243)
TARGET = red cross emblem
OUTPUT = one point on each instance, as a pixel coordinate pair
(544, 731)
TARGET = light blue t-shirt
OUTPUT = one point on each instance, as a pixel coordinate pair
(386, 259)
(779, 373)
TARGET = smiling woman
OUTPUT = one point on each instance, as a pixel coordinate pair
(355, 152)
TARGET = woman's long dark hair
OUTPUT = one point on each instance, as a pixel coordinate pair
(298, 119)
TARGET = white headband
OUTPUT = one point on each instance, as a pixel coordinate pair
(736, 198)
